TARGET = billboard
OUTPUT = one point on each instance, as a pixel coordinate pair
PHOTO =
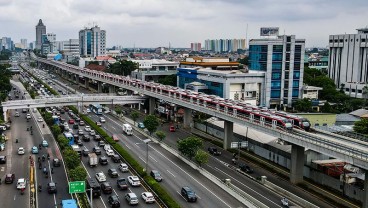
(269, 31)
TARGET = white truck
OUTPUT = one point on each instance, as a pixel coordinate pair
(127, 129)
(21, 183)
(107, 147)
(92, 159)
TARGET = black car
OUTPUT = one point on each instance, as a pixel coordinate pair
(116, 158)
(75, 126)
(51, 188)
(9, 178)
(2, 159)
(113, 173)
(77, 119)
(213, 151)
(188, 194)
(245, 168)
(156, 175)
(114, 201)
(106, 187)
(122, 183)
(86, 138)
(97, 137)
(103, 160)
(56, 162)
(79, 142)
(97, 150)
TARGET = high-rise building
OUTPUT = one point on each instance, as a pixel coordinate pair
(24, 43)
(195, 46)
(92, 42)
(348, 59)
(40, 30)
(282, 60)
(70, 49)
(7, 43)
(224, 45)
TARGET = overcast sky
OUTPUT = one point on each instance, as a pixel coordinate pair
(154, 23)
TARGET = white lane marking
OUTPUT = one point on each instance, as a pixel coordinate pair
(115, 192)
(2, 169)
(127, 146)
(15, 196)
(234, 179)
(136, 144)
(153, 158)
(113, 128)
(102, 201)
(171, 173)
(142, 159)
(48, 161)
(86, 170)
(192, 177)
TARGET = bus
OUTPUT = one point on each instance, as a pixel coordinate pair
(96, 108)
(69, 203)
(70, 137)
(56, 119)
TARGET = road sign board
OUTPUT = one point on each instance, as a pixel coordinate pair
(234, 144)
(77, 187)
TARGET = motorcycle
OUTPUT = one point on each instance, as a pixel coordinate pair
(43, 158)
(22, 191)
(16, 140)
(285, 202)
(39, 188)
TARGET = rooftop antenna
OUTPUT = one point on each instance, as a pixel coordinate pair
(246, 35)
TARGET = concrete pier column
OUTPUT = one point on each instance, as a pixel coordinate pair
(99, 87)
(111, 89)
(152, 105)
(5, 114)
(228, 134)
(365, 195)
(188, 119)
(297, 164)
(86, 83)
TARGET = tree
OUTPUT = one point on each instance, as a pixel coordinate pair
(135, 116)
(168, 80)
(201, 157)
(118, 110)
(48, 119)
(55, 129)
(78, 173)
(161, 135)
(123, 67)
(189, 146)
(304, 105)
(63, 142)
(71, 158)
(151, 123)
(361, 126)
(326, 108)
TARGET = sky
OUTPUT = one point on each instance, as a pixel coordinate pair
(155, 23)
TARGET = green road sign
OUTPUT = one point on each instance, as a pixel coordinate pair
(77, 187)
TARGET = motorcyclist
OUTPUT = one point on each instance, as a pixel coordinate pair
(52, 170)
(48, 156)
(39, 187)
(43, 157)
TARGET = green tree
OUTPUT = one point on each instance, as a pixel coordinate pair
(304, 105)
(63, 142)
(118, 110)
(327, 108)
(71, 158)
(55, 129)
(189, 146)
(168, 80)
(48, 119)
(78, 174)
(201, 157)
(361, 126)
(151, 123)
(123, 67)
(161, 135)
(33, 64)
(135, 116)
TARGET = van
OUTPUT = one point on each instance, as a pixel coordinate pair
(127, 129)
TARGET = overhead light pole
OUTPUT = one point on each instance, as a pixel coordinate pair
(146, 141)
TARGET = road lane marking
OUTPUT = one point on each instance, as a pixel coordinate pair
(142, 159)
(113, 128)
(171, 173)
(127, 146)
(153, 158)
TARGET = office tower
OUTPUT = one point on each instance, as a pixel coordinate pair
(40, 30)
(195, 46)
(24, 43)
(224, 45)
(348, 59)
(92, 42)
(282, 60)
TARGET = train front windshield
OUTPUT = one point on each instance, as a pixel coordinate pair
(305, 123)
(288, 124)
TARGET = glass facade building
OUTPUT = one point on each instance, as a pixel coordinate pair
(92, 42)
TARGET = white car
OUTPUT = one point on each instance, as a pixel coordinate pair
(21, 183)
(134, 180)
(110, 152)
(102, 120)
(92, 132)
(131, 198)
(148, 197)
(20, 151)
(16, 114)
(88, 110)
(87, 128)
(80, 132)
(100, 177)
(39, 119)
(28, 116)
(123, 167)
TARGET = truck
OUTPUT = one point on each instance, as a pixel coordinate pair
(92, 159)
(21, 183)
(127, 129)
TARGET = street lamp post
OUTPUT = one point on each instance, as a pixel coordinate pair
(146, 141)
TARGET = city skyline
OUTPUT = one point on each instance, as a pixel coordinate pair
(156, 23)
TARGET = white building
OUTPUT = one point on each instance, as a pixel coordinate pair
(311, 92)
(154, 69)
(348, 61)
(92, 42)
(24, 43)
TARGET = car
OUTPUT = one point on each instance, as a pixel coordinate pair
(114, 201)
(148, 197)
(45, 143)
(134, 181)
(56, 162)
(141, 125)
(80, 132)
(24, 110)
(115, 138)
(97, 150)
(51, 188)
(106, 187)
(88, 110)
(87, 128)
(21, 183)
(116, 158)
(188, 194)
(112, 173)
(85, 151)
(75, 126)
(28, 116)
(103, 160)
(110, 152)
(123, 167)
(79, 142)
(131, 198)
(101, 143)
(122, 183)
(172, 128)
(34, 150)
(9, 178)
(86, 138)
(21, 151)
(17, 114)
(81, 123)
(245, 168)
(156, 175)
(92, 132)
(97, 137)
(98, 123)
(40, 119)
(77, 120)
(100, 177)
(102, 120)
(213, 151)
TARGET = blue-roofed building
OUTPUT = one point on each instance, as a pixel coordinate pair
(58, 57)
